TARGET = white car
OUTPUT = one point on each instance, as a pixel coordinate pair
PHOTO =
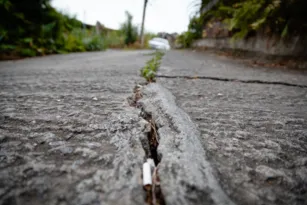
(159, 43)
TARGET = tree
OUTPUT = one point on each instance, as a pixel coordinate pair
(129, 30)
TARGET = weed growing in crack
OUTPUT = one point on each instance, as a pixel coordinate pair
(150, 69)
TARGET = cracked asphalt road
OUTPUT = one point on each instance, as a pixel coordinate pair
(68, 135)
(65, 126)
(255, 135)
(211, 65)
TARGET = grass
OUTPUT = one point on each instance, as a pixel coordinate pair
(149, 71)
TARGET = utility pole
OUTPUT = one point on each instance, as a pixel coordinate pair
(84, 19)
(143, 21)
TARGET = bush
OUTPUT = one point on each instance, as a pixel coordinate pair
(36, 28)
(73, 42)
(270, 17)
(130, 31)
(185, 39)
(27, 52)
(115, 39)
(194, 32)
(196, 27)
(79, 40)
(94, 43)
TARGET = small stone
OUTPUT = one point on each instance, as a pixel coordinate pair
(219, 94)
(94, 98)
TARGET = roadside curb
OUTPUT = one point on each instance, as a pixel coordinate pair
(185, 173)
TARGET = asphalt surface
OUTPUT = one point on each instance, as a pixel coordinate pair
(186, 176)
(255, 134)
(69, 136)
(65, 129)
(208, 64)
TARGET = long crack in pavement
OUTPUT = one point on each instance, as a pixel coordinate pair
(68, 135)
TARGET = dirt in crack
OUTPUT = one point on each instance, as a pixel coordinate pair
(153, 192)
(154, 195)
(153, 141)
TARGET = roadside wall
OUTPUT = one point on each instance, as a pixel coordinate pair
(295, 46)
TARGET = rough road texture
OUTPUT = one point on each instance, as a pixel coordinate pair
(67, 135)
(255, 135)
(185, 173)
(195, 64)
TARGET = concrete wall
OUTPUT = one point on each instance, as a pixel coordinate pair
(268, 45)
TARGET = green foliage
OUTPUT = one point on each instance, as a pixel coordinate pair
(129, 30)
(196, 27)
(27, 52)
(185, 39)
(150, 69)
(73, 41)
(7, 47)
(244, 17)
(34, 27)
(79, 40)
(95, 43)
(248, 15)
(115, 39)
(194, 32)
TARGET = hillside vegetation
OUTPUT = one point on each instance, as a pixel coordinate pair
(244, 18)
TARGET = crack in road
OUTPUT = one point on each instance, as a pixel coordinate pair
(233, 80)
(154, 195)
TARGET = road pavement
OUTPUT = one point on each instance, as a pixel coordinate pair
(66, 129)
(227, 133)
(254, 132)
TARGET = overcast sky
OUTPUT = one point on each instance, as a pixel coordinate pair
(162, 15)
